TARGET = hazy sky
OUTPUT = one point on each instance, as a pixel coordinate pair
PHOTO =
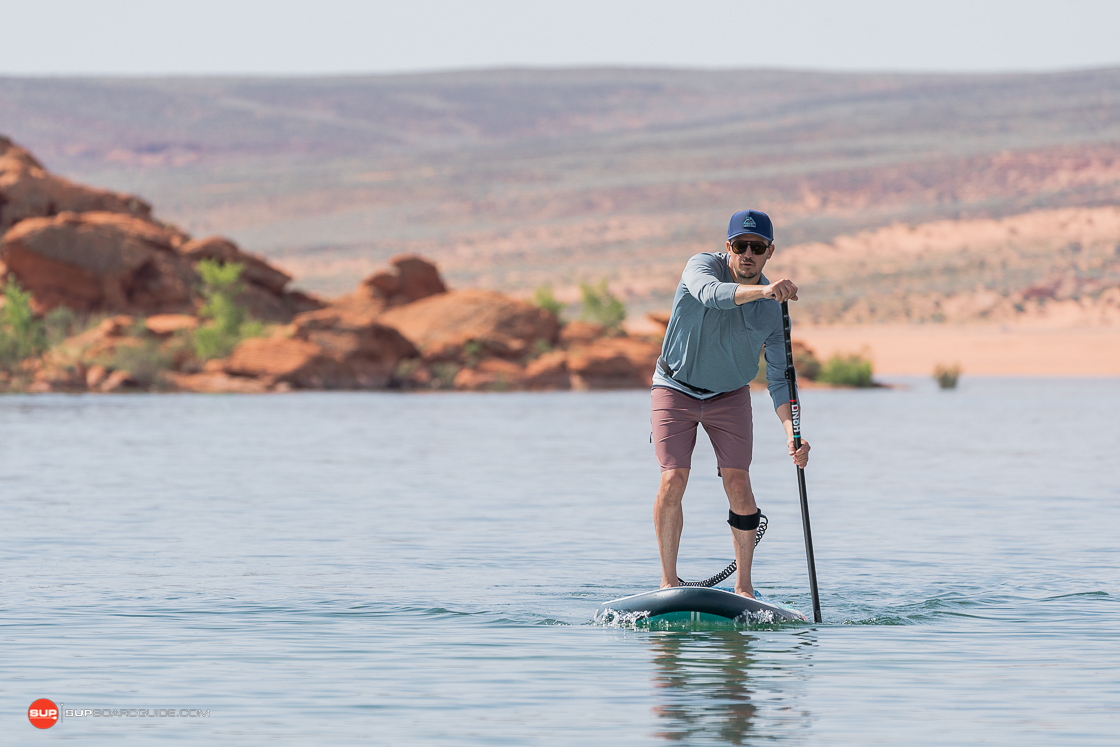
(143, 37)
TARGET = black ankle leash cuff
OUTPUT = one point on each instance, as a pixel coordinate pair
(745, 523)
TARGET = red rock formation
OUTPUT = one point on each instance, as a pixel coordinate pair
(119, 263)
(409, 279)
(27, 190)
(455, 325)
(117, 381)
(257, 271)
(165, 325)
(548, 372)
(580, 333)
(100, 262)
(613, 363)
(97, 251)
(77, 363)
(219, 382)
(323, 349)
(493, 374)
(262, 284)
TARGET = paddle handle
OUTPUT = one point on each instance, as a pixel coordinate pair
(795, 417)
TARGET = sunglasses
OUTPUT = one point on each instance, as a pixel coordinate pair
(757, 247)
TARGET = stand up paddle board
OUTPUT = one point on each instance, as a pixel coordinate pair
(696, 603)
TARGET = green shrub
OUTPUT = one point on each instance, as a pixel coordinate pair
(804, 363)
(545, 300)
(472, 352)
(145, 360)
(947, 376)
(22, 336)
(62, 322)
(226, 321)
(846, 370)
(443, 374)
(540, 347)
(601, 307)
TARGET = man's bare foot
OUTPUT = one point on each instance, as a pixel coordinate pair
(745, 592)
(666, 585)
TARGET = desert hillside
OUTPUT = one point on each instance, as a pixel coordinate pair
(1046, 267)
(511, 179)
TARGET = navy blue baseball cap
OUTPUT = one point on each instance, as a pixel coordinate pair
(750, 221)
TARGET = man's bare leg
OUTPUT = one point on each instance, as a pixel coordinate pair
(737, 484)
(668, 521)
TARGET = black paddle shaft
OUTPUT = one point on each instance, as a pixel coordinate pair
(795, 416)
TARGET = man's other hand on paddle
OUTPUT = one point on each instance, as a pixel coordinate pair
(801, 456)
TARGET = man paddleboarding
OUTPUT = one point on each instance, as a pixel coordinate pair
(724, 312)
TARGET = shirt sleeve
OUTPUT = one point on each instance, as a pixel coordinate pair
(703, 283)
(775, 352)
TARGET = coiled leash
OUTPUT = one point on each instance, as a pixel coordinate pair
(754, 521)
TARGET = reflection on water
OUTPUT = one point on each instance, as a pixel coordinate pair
(727, 687)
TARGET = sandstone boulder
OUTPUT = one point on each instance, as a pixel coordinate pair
(100, 261)
(613, 363)
(456, 325)
(58, 376)
(95, 375)
(548, 372)
(27, 190)
(219, 383)
(323, 349)
(409, 278)
(262, 284)
(257, 271)
(493, 374)
(165, 325)
(89, 360)
(119, 381)
(580, 333)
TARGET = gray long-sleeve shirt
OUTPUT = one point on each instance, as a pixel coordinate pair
(713, 344)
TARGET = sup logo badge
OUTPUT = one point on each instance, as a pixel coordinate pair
(749, 222)
(43, 714)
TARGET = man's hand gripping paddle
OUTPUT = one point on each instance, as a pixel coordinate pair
(795, 416)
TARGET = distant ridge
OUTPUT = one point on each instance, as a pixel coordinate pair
(513, 178)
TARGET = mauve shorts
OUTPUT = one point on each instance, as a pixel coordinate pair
(726, 419)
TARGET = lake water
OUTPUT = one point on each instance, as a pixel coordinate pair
(352, 568)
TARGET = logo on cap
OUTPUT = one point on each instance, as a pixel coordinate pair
(749, 222)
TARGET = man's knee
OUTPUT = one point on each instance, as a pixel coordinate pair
(735, 479)
(673, 482)
(737, 484)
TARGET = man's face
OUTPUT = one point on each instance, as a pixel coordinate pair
(747, 267)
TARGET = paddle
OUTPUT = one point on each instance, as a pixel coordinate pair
(795, 415)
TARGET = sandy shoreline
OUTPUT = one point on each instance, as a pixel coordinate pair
(1008, 350)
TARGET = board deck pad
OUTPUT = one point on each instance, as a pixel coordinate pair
(696, 603)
